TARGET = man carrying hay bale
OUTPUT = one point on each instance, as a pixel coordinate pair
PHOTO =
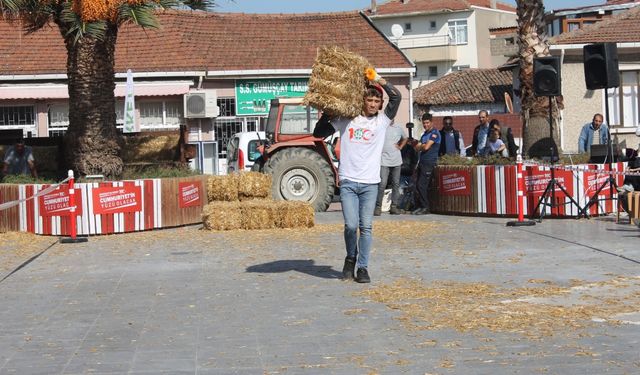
(361, 141)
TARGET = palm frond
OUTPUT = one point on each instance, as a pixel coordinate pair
(35, 13)
(141, 15)
(79, 29)
(8, 7)
(199, 4)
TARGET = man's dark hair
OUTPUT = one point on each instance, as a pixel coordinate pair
(427, 116)
(373, 91)
(447, 118)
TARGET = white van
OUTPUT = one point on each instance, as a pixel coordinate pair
(242, 151)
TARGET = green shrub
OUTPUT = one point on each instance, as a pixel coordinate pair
(27, 179)
(479, 160)
(162, 171)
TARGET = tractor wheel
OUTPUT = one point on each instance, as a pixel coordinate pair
(301, 174)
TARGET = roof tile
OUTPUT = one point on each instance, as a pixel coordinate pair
(624, 27)
(466, 87)
(434, 6)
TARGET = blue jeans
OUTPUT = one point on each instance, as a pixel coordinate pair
(358, 202)
(395, 185)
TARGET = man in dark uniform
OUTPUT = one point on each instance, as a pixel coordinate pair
(428, 148)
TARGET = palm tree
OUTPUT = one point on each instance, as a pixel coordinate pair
(89, 29)
(535, 110)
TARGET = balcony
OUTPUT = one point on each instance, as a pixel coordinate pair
(428, 48)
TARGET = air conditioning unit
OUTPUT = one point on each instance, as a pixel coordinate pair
(201, 104)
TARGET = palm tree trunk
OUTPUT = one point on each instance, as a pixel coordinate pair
(92, 142)
(535, 110)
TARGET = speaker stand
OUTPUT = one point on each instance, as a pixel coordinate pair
(550, 190)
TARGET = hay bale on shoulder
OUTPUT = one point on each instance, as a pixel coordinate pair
(222, 188)
(222, 216)
(293, 214)
(257, 214)
(253, 185)
(337, 82)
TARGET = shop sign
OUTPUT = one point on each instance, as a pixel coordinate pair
(253, 96)
(189, 194)
(56, 203)
(455, 183)
(112, 200)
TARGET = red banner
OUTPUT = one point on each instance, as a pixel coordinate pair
(455, 183)
(112, 200)
(189, 194)
(536, 181)
(56, 203)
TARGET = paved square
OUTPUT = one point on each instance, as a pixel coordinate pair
(450, 295)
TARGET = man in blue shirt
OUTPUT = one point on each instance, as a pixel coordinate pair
(596, 127)
(18, 160)
(428, 147)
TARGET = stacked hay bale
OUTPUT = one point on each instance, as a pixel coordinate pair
(242, 201)
(337, 83)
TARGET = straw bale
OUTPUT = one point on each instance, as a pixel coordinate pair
(337, 82)
(222, 216)
(258, 214)
(223, 188)
(150, 147)
(253, 185)
(294, 214)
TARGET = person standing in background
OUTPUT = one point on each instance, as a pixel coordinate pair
(452, 142)
(390, 165)
(428, 147)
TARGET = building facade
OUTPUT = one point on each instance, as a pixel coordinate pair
(443, 37)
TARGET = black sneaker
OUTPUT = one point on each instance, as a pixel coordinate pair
(396, 211)
(420, 211)
(363, 276)
(348, 268)
(377, 211)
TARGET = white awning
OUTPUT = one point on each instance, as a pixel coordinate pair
(56, 91)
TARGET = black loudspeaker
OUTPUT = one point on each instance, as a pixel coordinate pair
(601, 66)
(546, 76)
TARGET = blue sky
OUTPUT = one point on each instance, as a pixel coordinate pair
(301, 6)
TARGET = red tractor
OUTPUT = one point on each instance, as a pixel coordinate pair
(303, 166)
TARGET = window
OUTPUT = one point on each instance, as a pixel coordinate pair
(407, 26)
(432, 25)
(160, 114)
(456, 68)
(509, 41)
(225, 128)
(433, 71)
(58, 119)
(458, 31)
(253, 150)
(227, 107)
(624, 108)
(17, 117)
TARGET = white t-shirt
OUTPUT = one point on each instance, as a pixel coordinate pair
(361, 142)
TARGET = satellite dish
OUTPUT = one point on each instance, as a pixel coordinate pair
(397, 31)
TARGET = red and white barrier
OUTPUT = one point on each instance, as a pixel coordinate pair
(494, 189)
(103, 207)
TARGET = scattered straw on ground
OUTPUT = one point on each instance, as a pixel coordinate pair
(18, 247)
(533, 312)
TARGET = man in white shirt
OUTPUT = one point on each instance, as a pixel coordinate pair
(361, 142)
